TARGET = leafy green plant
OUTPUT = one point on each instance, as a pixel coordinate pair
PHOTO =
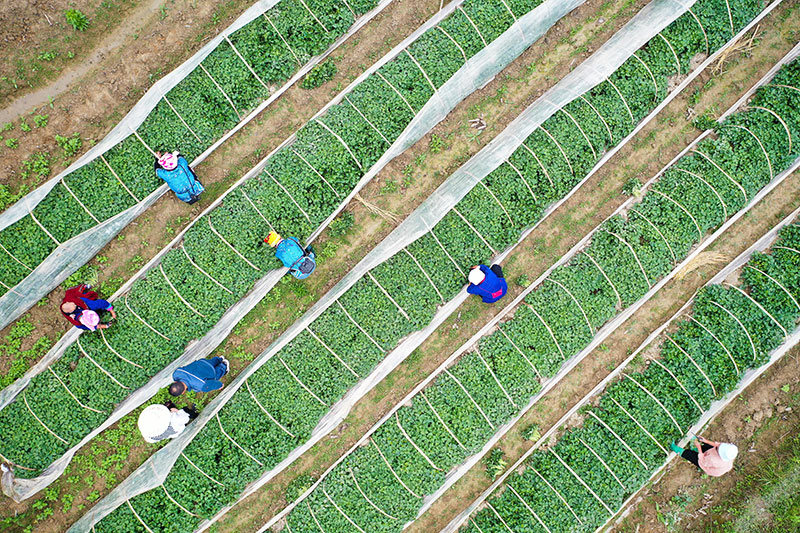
(19, 360)
(12, 143)
(38, 164)
(437, 144)
(85, 274)
(77, 19)
(298, 486)
(495, 463)
(70, 145)
(531, 433)
(47, 56)
(40, 120)
(632, 187)
(341, 225)
(319, 75)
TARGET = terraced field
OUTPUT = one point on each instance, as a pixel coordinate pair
(414, 442)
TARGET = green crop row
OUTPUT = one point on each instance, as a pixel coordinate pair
(731, 329)
(275, 411)
(301, 185)
(190, 118)
(448, 423)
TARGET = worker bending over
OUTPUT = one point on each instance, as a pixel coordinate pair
(81, 306)
(713, 458)
(175, 170)
(202, 375)
(299, 261)
(164, 421)
(488, 283)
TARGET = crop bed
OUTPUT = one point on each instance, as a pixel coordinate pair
(279, 405)
(233, 79)
(220, 258)
(460, 411)
(592, 469)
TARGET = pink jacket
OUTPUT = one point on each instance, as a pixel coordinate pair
(712, 464)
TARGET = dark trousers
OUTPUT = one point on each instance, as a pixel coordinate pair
(691, 455)
(191, 409)
(498, 271)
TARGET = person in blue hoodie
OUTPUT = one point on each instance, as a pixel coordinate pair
(488, 283)
(175, 170)
(202, 375)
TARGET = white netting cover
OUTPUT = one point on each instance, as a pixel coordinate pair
(75, 252)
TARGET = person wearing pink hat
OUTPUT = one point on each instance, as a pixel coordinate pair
(713, 458)
(82, 307)
(173, 168)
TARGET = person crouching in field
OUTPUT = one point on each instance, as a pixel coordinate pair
(713, 458)
(175, 170)
(82, 307)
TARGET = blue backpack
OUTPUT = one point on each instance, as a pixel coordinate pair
(303, 267)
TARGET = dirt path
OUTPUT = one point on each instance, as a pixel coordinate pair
(138, 18)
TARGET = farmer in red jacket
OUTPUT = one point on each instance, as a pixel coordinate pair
(81, 306)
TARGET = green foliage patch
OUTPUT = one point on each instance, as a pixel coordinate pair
(277, 409)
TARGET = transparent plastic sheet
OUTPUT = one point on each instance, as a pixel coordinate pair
(153, 472)
(478, 71)
(748, 377)
(600, 336)
(75, 252)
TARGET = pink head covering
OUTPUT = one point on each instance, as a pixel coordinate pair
(90, 319)
(169, 161)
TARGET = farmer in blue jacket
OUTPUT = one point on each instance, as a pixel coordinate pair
(488, 283)
(174, 169)
(202, 375)
(290, 252)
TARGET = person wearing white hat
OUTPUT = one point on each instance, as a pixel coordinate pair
(173, 168)
(158, 422)
(488, 283)
(713, 458)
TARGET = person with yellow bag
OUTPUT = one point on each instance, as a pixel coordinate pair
(291, 253)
